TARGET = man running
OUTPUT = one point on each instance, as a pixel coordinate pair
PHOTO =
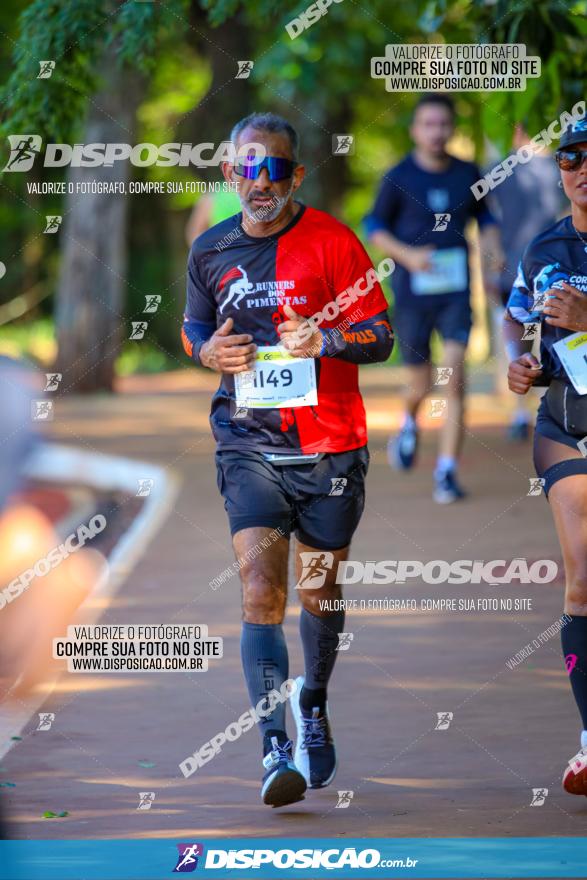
(419, 219)
(289, 423)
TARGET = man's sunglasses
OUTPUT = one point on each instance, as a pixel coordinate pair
(570, 160)
(277, 168)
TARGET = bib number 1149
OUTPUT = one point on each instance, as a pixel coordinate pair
(278, 380)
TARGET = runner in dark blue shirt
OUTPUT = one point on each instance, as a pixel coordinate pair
(419, 220)
(549, 293)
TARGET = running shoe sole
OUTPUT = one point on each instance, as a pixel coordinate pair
(443, 497)
(284, 786)
(300, 754)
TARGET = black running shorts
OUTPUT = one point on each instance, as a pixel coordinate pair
(321, 502)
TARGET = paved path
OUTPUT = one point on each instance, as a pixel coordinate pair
(512, 730)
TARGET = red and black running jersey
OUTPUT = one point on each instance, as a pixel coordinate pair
(305, 265)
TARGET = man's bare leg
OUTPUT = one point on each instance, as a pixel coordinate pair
(451, 434)
(402, 449)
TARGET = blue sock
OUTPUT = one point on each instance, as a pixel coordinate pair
(319, 641)
(444, 464)
(266, 667)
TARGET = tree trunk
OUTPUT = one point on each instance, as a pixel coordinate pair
(90, 295)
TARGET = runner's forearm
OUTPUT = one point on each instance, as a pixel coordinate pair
(389, 245)
(515, 346)
(367, 342)
(193, 336)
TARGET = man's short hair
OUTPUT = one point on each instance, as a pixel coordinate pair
(437, 98)
(270, 122)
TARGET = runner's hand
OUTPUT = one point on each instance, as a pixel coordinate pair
(417, 259)
(228, 353)
(298, 337)
(522, 373)
(568, 309)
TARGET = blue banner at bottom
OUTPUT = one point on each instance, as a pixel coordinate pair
(368, 858)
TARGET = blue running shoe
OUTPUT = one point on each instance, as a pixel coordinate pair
(447, 489)
(401, 450)
(282, 783)
(315, 755)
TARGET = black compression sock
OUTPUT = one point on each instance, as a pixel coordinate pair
(574, 643)
(319, 641)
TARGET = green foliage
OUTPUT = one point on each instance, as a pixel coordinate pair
(74, 35)
(320, 77)
(59, 31)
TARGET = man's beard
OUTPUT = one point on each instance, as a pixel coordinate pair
(268, 212)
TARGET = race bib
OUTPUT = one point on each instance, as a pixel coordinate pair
(277, 380)
(448, 273)
(572, 352)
